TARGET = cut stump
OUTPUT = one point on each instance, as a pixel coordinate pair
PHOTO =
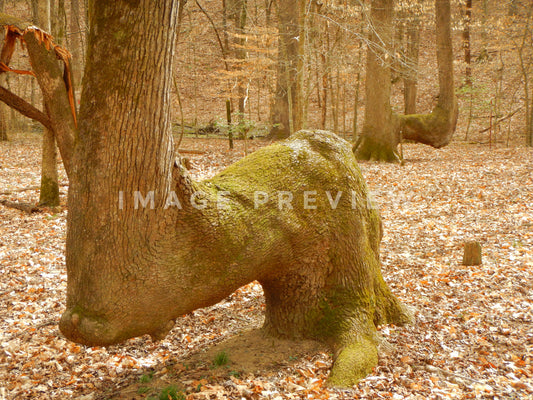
(472, 254)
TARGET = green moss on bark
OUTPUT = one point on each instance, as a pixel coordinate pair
(374, 150)
(49, 195)
(353, 363)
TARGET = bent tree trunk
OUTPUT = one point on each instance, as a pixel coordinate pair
(146, 244)
(384, 128)
(437, 128)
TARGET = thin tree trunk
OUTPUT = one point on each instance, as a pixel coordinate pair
(4, 112)
(467, 20)
(239, 14)
(411, 75)
(44, 15)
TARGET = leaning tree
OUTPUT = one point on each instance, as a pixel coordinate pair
(146, 244)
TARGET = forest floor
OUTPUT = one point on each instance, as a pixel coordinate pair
(473, 335)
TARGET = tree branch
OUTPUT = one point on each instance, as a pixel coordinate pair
(502, 119)
(23, 107)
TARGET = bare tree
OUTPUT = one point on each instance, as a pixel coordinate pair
(287, 110)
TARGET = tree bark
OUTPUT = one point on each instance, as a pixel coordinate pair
(143, 249)
(287, 109)
(379, 137)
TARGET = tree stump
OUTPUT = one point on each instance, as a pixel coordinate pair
(472, 254)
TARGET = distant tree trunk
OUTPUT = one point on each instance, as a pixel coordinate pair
(4, 113)
(286, 111)
(410, 81)
(379, 138)
(467, 20)
(238, 12)
(76, 40)
(324, 64)
(436, 129)
(49, 193)
(527, 75)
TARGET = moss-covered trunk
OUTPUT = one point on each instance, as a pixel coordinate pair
(49, 193)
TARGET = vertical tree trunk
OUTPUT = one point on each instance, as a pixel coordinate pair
(410, 81)
(286, 114)
(4, 113)
(466, 41)
(238, 11)
(108, 158)
(76, 41)
(49, 192)
(379, 138)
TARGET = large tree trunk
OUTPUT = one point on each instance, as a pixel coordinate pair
(142, 246)
(436, 129)
(379, 138)
(287, 110)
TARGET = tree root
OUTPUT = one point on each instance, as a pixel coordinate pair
(354, 362)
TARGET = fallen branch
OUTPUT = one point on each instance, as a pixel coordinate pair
(34, 328)
(26, 189)
(20, 190)
(191, 151)
(26, 207)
